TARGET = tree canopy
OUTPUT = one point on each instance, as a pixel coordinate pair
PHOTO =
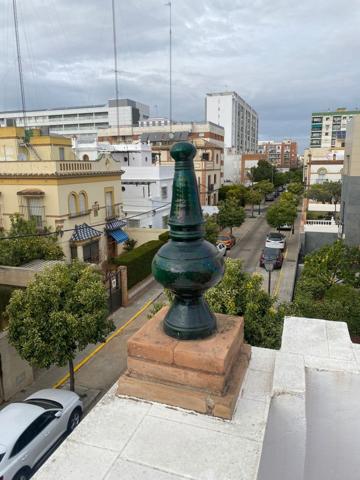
(327, 192)
(281, 213)
(236, 191)
(230, 214)
(240, 293)
(329, 286)
(263, 171)
(264, 187)
(61, 312)
(295, 188)
(211, 228)
(29, 245)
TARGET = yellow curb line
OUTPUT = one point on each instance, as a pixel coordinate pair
(102, 345)
(277, 286)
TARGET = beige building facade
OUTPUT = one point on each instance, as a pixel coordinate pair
(40, 179)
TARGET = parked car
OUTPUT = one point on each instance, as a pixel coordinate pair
(29, 429)
(269, 197)
(286, 226)
(275, 240)
(222, 248)
(228, 240)
(273, 255)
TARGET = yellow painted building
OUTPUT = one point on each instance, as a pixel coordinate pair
(41, 179)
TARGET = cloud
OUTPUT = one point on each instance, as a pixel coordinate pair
(285, 58)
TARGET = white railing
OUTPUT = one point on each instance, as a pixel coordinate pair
(320, 222)
(325, 226)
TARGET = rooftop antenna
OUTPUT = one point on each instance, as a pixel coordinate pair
(116, 69)
(171, 135)
(18, 51)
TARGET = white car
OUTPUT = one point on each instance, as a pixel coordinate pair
(29, 429)
(275, 240)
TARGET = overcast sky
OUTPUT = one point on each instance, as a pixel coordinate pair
(287, 58)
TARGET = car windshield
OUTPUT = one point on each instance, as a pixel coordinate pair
(44, 403)
(275, 236)
(271, 252)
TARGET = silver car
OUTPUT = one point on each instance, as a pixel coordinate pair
(30, 428)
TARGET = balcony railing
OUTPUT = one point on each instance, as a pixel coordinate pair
(36, 213)
(112, 211)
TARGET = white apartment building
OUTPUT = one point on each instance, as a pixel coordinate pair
(240, 122)
(146, 184)
(83, 122)
(329, 128)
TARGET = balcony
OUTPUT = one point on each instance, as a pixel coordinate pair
(324, 226)
(111, 212)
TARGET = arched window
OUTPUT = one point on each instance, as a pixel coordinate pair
(83, 204)
(72, 204)
(321, 175)
(86, 157)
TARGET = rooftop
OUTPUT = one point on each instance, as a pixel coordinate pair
(292, 405)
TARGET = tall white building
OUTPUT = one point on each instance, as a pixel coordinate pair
(83, 122)
(240, 122)
(146, 183)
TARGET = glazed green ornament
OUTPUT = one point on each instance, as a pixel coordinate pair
(187, 264)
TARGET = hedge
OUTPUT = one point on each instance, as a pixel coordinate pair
(138, 261)
(164, 237)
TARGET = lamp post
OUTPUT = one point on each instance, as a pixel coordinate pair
(269, 267)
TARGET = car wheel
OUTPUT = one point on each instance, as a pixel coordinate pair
(23, 474)
(74, 420)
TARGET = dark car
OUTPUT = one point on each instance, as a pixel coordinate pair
(274, 255)
(269, 197)
(228, 240)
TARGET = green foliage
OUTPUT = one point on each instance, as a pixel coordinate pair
(280, 179)
(295, 188)
(282, 212)
(17, 251)
(129, 244)
(138, 261)
(61, 312)
(239, 293)
(326, 192)
(263, 171)
(155, 308)
(264, 187)
(230, 214)
(289, 197)
(211, 228)
(233, 191)
(295, 175)
(253, 197)
(164, 237)
(329, 286)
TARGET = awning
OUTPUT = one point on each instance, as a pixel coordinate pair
(32, 192)
(84, 232)
(115, 225)
(119, 235)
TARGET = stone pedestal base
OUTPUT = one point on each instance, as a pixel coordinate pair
(202, 375)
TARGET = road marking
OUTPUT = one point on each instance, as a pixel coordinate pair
(277, 286)
(102, 345)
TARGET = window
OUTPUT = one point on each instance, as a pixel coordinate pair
(165, 221)
(32, 431)
(73, 252)
(109, 204)
(85, 158)
(217, 158)
(215, 179)
(91, 252)
(163, 193)
(83, 204)
(36, 210)
(61, 154)
(133, 223)
(72, 204)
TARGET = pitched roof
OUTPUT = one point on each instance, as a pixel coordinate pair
(84, 232)
(115, 225)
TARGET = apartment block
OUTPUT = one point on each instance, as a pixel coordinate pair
(328, 129)
(282, 154)
(82, 122)
(240, 122)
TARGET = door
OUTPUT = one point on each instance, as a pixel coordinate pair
(53, 428)
(114, 290)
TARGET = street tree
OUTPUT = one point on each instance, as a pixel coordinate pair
(211, 228)
(263, 171)
(238, 192)
(253, 197)
(319, 193)
(295, 188)
(289, 197)
(230, 214)
(281, 213)
(280, 179)
(240, 293)
(59, 314)
(264, 187)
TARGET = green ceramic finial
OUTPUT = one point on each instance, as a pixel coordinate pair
(187, 264)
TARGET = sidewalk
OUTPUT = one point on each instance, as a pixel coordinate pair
(100, 372)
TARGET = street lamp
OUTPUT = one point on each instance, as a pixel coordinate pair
(269, 267)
